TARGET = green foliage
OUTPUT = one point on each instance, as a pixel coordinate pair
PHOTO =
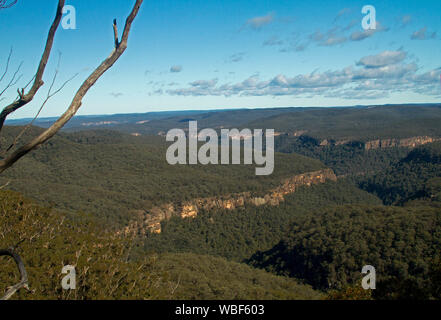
(435, 277)
(322, 235)
(372, 122)
(237, 234)
(111, 174)
(105, 268)
(204, 277)
(329, 248)
(354, 292)
(346, 159)
(415, 176)
(359, 124)
(49, 241)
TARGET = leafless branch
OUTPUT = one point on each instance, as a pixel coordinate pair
(23, 284)
(38, 82)
(50, 94)
(4, 4)
(77, 100)
(7, 66)
(13, 80)
(5, 185)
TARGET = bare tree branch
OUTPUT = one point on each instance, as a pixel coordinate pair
(4, 4)
(77, 100)
(7, 66)
(5, 185)
(13, 80)
(50, 94)
(38, 82)
(23, 284)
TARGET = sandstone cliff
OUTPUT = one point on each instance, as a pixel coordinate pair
(382, 143)
(150, 220)
(407, 142)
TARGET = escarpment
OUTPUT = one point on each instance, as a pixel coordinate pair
(150, 220)
(382, 143)
(407, 142)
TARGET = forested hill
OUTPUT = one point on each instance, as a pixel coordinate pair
(105, 269)
(416, 175)
(238, 233)
(359, 123)
(110, 174)
(383, 210)
(402, 240)
(329, 247)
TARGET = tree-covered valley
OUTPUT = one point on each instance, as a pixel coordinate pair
(75, 200)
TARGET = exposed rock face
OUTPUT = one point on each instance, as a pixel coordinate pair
(150, 220)
(381, 143)
(340, 142)
(297, 133)
(407, 142)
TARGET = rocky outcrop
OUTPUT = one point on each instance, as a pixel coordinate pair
(150, 220)
(407, 142)
(298, 133)
(380, 143)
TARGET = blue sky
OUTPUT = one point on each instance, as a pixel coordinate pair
(209, 54)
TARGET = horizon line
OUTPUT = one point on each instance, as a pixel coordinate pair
(230, 109)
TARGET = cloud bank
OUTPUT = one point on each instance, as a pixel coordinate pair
(371, 77)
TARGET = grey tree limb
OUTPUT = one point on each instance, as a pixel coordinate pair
(120, 47)
(23, 284)
(38, 80)
(4, 4)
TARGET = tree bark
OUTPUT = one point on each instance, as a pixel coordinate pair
(21, 268)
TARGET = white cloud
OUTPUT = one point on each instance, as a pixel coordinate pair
(176, 69)
(422, 34)
(257, 23)
(361, 35)
(317, 36)
(331, 41)
(331, 38)
(116, 94)
(273, 41)
(405, 20)
(372, 77)
(204, 83)
(382, 59)
(237, 57)
(342, 12)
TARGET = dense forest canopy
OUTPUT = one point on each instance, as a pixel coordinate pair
(415, 175)
(329, 247)
(383, 210)
(110, 174)
(106, 269)
(359, 124)
(237, 234)
(354, 123)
